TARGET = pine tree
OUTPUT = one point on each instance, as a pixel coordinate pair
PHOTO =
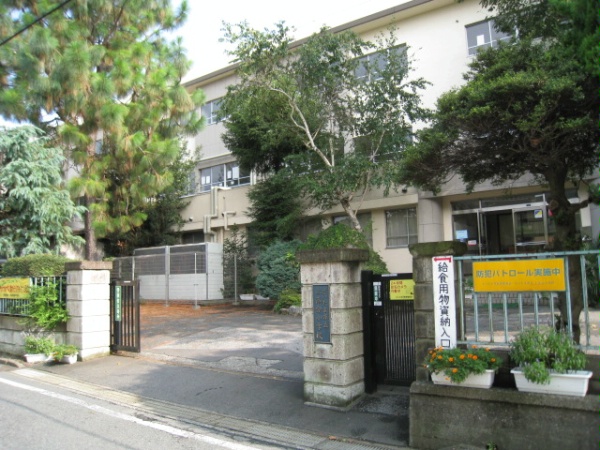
(101, 77)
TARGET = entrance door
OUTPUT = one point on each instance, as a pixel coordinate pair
(125, 316)
(388, 319)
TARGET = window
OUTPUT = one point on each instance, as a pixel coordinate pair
(371, 66)
(401, 227)
(229, 175)
(210, 110)
(192, 183)
(98, 147)
(484, 34)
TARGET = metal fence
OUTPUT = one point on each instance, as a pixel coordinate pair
(495, 318)
(20, 306)
(180, 273)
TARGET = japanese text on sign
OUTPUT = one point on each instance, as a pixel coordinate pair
(444, 301)
(402, 290)
(519, 276)
(321, 317)
(14, 288)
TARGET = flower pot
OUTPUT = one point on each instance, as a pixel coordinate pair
(69, 359)
(571, 383)
(482, 380)
(36, 357)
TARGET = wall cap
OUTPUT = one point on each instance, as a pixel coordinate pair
(425, 249)
(332, 255)
(88, 265)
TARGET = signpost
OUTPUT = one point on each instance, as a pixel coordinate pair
(321, 314)
(519, 276)
(444, 301)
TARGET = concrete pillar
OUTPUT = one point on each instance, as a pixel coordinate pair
(431, 220)
(88, 303)
(424, 298)
(333, 370)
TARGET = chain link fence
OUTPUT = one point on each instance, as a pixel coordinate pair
(179, 273)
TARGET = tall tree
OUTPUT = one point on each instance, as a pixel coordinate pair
(527, 107)
(35, 206)
(102, 78)
(336, 106)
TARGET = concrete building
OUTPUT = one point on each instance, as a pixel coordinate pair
(442, 36)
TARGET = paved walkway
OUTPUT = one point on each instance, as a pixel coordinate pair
(233, 369)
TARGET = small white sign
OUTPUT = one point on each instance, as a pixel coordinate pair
(444, 300)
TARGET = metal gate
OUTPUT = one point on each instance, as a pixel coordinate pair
(388, 322)
(125, 316)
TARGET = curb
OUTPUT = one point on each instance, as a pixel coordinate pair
(12, 362)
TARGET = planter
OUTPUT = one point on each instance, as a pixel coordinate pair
(482, 380)
(36, 357)
(246, 297)
(69, 359)
(571, 383)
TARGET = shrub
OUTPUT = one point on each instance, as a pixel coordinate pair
(63, 350)
(34, 345)
(457, 363)
(278, 269)
(288, 298)
(342, 236)
(46, 312)
(35, 266)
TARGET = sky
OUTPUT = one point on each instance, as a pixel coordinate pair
(203, 29)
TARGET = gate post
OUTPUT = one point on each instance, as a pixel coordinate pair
(88, 304)
(332, 326)
(424, 298)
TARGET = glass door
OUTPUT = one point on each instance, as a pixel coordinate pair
(531, 229)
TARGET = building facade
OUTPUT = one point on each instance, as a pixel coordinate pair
(441, 36)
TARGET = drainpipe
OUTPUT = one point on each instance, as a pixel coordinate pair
(214, 210)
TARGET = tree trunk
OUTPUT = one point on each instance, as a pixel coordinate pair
(91, 251)
(351, 214)
(566, 239)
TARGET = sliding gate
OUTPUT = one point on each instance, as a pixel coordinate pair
(388, 322)
(125, 316)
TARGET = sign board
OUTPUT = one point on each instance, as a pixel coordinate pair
(117, 303)
(402, 290)
(14, 288)
(377, 293)
(321, 314)
(519, 276)
(444, 300)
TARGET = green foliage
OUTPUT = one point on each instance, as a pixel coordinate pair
(35, 266)
(34, 345)
(538, 351)
(287, 298)
(278, 270)
(297, 111)
(236, 257)
(61, 350)
(341, 235)
(35, 206)
(457, 363)
(104, 80)
(163, 214)
(46, 312)
(276, 210)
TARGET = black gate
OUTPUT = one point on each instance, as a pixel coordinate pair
(388, 322)
(125, 316)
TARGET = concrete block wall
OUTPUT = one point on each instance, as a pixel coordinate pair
(334, 371)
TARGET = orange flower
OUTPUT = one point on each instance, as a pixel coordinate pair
(454, 370)
(473, 346)
(469, 356)
(493, 360)
(451, 359)
(462, 356)
(440, 357)
(474, 356)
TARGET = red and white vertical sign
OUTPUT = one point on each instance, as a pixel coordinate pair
(444, 300)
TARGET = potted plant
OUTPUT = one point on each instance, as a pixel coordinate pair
(469, 367)
(65, 353)
(549, 362)
(38, 349)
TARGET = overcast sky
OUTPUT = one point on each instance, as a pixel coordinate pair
(202, 30)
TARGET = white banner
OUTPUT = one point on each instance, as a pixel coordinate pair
(444, 300)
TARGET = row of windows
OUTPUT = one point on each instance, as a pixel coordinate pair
(223, 175)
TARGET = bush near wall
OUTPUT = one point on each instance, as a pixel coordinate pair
(44, 265)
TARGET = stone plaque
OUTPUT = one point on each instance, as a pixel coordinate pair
(321, 313)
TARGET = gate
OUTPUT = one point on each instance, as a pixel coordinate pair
(389, 332)
(125, 316)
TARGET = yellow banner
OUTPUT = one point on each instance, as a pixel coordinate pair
(14, 287)
(519, 276)
(402, 290)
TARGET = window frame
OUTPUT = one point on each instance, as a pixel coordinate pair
(210, 110)
(492, 38)
(410, 236)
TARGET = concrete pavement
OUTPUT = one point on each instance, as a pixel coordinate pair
(236, 371)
